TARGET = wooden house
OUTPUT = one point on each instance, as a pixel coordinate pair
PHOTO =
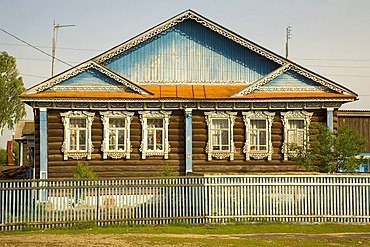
(187, 96)
(358, 120)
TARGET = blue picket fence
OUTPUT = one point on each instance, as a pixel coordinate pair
(208, 199)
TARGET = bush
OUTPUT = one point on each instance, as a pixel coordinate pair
(83, 171)
(329, 153)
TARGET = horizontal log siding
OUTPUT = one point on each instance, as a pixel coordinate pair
(239, 165)
(359, 123)
(134, 167)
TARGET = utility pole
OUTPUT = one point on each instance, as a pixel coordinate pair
(288, 33)
(54, 41)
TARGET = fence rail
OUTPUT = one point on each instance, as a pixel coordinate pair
(299, 198)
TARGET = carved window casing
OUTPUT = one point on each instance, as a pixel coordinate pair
(116, 134)
(295, 129)
(220, 134)
(155, 133)
(258, 144)
(77, 134)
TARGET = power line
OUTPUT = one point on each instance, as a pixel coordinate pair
(34, 47)
(63, 48)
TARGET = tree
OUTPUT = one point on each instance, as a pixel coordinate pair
(11, 85)
(329, 153)
(3, 157)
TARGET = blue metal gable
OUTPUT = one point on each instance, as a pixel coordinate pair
(291, 79)
(89, 78)
(190, 53)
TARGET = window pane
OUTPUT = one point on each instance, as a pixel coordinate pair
(258, 124)
(116, 123)
(225, 137)
(121, 139)
(220, 123)
(155, 123)
(159, 140)
(150, 140)
(112, 140)
(73, 140)
(77, 122)
(296, 124)
(82, 140)
(215, 140)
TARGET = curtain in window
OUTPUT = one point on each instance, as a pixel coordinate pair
(220, 134)
(258, 135)
(296, 131)
(155, 134)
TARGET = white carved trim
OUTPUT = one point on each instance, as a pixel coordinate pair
(144, 116)
(178, 19)
(220, 154)
(116, 154)
(258, 115)
(294, 89)
(294, 115)
(89, 118)
(89, 88)
(81, 68)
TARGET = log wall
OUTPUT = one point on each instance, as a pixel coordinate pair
(240, 165)
(133, 167)
(157, 166)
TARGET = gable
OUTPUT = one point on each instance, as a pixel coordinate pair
(187, 50)
(190, 53)
(292, 81)
(89, 80)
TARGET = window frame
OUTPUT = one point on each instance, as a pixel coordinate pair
(220, 154)
(66, 147)
(266, 116)
(291, 116)
(165, 117)
(126, 117)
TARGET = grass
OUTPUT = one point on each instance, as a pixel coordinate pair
(218, 229)
(210, 234)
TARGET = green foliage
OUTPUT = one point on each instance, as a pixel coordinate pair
(167, 171)
(329, 153)
(15, 153)
(3, 157)
(12, 108)
(83, 171)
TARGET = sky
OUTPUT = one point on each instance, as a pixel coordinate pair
(329, 37)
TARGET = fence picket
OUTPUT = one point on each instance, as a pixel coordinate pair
(209, 199)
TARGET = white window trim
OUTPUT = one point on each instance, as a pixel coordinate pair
(116, 154)
(220, 154)
(258, 115)
(144, 116)
(89, 118)
(294, 115)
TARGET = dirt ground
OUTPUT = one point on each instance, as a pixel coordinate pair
(129, 240)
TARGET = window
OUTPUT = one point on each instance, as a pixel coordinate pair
(154, 133)
(220, 134)
(258, 143)
(116, 143)
(77, 134)
(295, 128)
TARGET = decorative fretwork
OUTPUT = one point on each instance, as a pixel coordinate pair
(112, 149)
(81, 68)
(73, 135)
(295, 129)
(258, 144)
(155, 140)
(174, 21)
(220, 134)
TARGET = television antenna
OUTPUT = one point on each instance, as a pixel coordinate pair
(54, 41)
(288, 32)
